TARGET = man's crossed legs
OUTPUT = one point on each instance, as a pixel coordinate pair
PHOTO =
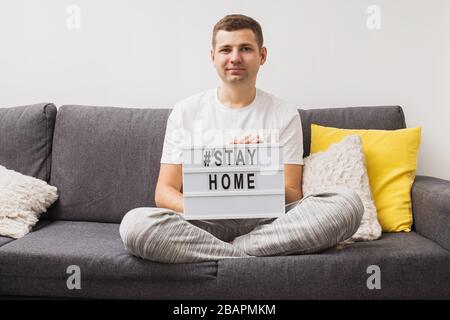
(315, 223)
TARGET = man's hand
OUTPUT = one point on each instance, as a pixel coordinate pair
(247, 139)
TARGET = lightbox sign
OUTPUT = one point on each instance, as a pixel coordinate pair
(233, 181)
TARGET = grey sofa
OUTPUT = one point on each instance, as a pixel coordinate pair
(105, 161)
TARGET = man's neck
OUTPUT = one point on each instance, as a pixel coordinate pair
(236, 97)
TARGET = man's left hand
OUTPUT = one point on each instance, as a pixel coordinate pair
(247, 139)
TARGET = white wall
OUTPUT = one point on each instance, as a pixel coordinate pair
(153, 53)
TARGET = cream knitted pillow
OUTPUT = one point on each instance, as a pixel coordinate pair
(343, 164)
(22, 200)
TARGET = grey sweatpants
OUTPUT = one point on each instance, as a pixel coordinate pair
(315, 223)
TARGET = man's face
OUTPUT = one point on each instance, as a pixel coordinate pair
(236, 56)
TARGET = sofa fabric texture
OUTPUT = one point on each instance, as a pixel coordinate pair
(105, 161)
(431, 209)
(26, 135)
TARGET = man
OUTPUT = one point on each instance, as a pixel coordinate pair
(237, 112)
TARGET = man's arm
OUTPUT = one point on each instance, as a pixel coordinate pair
(293, 182)
(168, 189)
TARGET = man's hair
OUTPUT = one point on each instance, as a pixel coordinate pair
(233, 22)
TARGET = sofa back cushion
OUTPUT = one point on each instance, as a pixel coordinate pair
(380, 118)
(106, 160)
(26, 139)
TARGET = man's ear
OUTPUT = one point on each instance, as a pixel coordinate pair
(263, 55)
(212, 55)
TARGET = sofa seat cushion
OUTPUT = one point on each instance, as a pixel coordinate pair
(40, 224)
(411, 267)
(36, 265)
(5, 240)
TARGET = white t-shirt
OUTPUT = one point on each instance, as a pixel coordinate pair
(202, 120)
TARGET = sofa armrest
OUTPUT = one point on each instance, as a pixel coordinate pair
(431, 209)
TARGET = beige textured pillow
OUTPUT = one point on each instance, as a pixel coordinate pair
(22, 200)
(343, 164)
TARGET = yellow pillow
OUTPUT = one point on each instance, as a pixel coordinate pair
(391, 159)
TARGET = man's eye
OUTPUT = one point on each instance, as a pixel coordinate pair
(225, 50)
(246, 49)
